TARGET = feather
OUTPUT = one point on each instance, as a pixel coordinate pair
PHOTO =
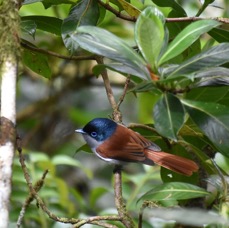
(126, 145)
(172, 162)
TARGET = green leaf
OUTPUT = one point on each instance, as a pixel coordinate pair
(189, 217)
(102, 42)
(174, 191)
(29, 27)
(47, 24)
(212, 119)
(49, 3)
(37, 62)
(171, 3)
(129, 8)
(95, 194)
(212, 57)
(220, 35)
(169, 116)
(186, 37)
(149, 34)
(212, 77)
(66, 160)
(118, 67)
(85, 12)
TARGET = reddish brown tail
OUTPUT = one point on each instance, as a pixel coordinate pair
(173, 162)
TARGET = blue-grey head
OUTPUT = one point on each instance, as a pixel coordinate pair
(97, 131)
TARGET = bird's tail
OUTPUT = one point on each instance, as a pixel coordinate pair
(172, 162)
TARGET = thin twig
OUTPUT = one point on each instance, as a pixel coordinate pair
(124, 92)
(46, 52)
(41, 204)
(119, 201)
(30, 198)
(169, 20)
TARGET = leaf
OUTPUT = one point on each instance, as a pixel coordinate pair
(66, 160)
(37, 62)
(220, 35)
(212, 119)
(186, 37)
(29, 27)
(171, 3)
(102, 42)
(129, 8)
(212, 57)
(149, 34)
(45, 23)
(118, 67)
(49, 3)
(174, 191)
(189, 217)
(85, 12)
(169, 116)
(212, 77)
(145, 86)
(95, 194)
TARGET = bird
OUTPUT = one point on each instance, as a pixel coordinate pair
(119, 145)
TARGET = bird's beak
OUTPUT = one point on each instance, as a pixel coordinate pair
(80, 131)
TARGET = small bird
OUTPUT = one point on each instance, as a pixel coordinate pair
(117, 144)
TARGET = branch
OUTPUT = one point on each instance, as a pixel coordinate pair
(117, 116)
(46, 52)
(41, 204)
(119, 201)
(169, 20)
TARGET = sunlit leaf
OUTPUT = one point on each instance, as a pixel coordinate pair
(212, 119)
(129, 8)
(168, 115)
(149, 34)
(186, 37)
(102, 42)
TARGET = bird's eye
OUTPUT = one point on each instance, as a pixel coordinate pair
(93, 134)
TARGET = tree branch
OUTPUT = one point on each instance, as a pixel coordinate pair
(169, 20)
(46, 52)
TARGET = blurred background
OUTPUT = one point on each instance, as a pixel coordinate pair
(49, 110)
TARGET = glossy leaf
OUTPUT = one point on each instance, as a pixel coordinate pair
(149, 34)
(212, 77)
(37, 62)
(169, 116)
(212, 119)
(118, 67)
(171, 3)
(174, 191)
(220, 35)
(47, 24)
(212, 57)
(28, 27)
(102, 42)
(85, 12)
(187, 37)
(49, 3)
